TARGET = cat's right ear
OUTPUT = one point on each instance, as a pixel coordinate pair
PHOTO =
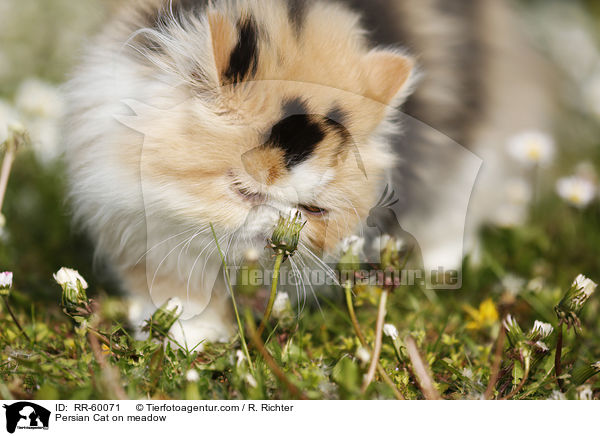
(223, 39)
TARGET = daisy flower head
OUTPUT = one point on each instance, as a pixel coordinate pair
(576, 190)
(532, 148)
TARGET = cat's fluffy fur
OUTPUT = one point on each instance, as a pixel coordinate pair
(187, 112)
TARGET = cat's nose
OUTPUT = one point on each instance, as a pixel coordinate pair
(264, 164)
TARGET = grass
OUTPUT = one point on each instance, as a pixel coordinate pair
(450, 344)
(446, 344)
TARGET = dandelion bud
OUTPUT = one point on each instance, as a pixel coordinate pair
(541, 347)
(163, 319)
(585, 392)
(74, 298)
(392, 256)
(570, 305)
(286, 235)
(540, 330)
(240, 358)
(282, 311)
(391, 331)
(281, 305)
(557, 395)
(6, 279)
(513, 331)
(251, 380)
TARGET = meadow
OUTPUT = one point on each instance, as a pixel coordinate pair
(524, 325)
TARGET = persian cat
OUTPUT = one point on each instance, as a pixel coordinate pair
(187, 113)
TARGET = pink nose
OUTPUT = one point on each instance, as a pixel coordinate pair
(264, 164)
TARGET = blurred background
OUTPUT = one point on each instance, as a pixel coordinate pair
(39, 44)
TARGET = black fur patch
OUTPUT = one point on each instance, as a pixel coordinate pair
(244, 57)
(336, 115)
(294, 106)
(297, 12)
(297, 133)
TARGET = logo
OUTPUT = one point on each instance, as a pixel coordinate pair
(26, 415)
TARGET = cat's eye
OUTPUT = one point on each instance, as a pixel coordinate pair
(246, 194)
(313, 210)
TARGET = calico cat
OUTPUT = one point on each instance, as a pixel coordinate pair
(187, 113)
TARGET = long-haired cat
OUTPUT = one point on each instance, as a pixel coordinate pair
(191, 113)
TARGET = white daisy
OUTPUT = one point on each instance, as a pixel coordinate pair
(39, 99)
(532, 148)
(6, 279)
(192, 376)
(576, 190)
(353, 244)
(69, 277)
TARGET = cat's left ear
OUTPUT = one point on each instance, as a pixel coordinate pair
(387, 74)
(223, 38)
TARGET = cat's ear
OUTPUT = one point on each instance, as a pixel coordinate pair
(223, 39)
(387, 74)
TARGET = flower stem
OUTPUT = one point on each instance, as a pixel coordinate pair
(378, 339)
(557, 357)
(496, 365)
(267, 315)
(12, 315)
(386, 378)
(270, 361)
(235, 308)
(357, 330)
(9, 158)
(421, 370)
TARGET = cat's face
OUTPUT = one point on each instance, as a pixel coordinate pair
(285, 115)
